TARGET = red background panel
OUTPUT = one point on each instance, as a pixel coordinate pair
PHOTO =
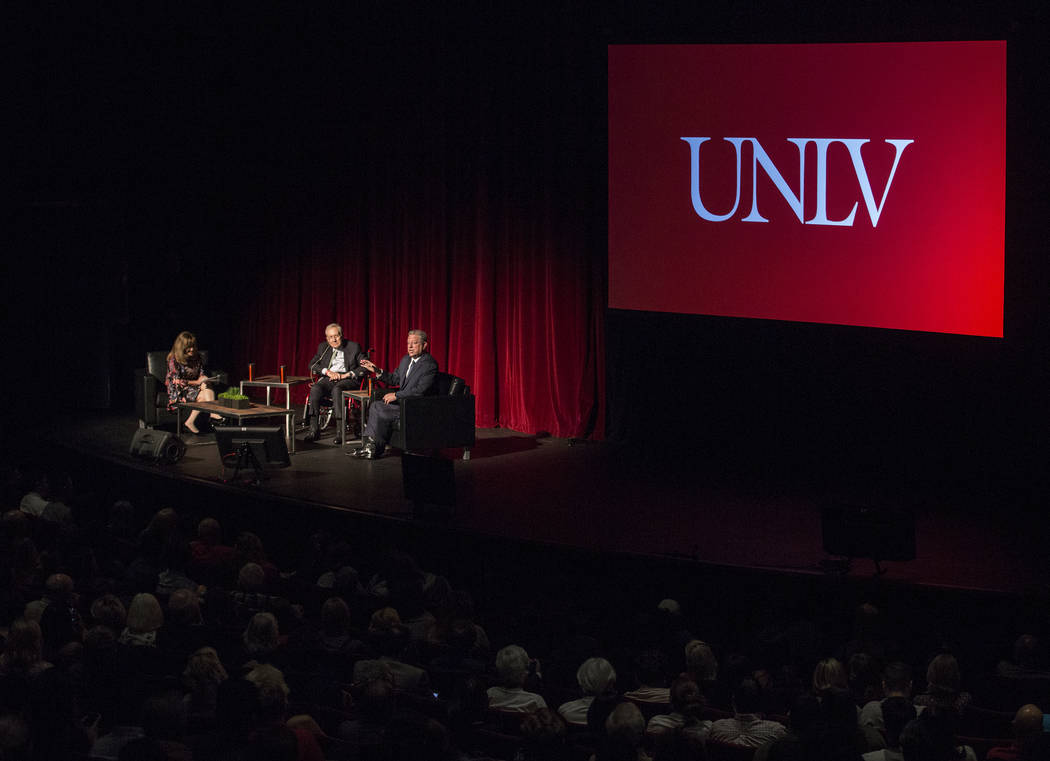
(933, 263)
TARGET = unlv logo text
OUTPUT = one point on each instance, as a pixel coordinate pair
(761, 158)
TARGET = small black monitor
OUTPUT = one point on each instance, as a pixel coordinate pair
(258, 447)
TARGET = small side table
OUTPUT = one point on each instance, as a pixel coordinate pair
(270, 382)
(361, 396)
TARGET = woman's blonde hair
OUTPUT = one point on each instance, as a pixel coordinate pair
(182, 341)
(829, 674)
(272, 689)
(144, 614)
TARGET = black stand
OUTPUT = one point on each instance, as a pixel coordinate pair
(246, 457)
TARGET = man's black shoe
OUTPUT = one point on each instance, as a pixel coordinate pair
(367, 450)
(338, 439)
(315, 431)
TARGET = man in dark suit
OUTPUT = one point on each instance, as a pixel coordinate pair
(415, 377)
(337, 362)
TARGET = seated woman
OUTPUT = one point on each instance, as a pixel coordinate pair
(186, 379)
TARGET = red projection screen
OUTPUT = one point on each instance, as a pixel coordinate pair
(851, 184)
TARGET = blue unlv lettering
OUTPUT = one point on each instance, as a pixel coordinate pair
(797, 203)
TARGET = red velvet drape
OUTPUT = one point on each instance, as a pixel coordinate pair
(466, 214)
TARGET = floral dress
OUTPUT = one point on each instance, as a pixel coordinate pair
(177, 381)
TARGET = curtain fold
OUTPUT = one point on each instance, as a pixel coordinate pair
(463, 207)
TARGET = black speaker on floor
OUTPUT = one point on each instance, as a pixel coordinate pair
(159, 446)
(430, 482)
(878, 533)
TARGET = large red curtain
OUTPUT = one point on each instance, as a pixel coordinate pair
(456, 196)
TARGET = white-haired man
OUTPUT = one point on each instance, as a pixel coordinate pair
(512, 669)
(337, 362)
(596, 677)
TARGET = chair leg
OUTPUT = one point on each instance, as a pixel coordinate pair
(354, 429)
(304, 423)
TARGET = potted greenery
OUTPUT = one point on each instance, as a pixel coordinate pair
(234, 399)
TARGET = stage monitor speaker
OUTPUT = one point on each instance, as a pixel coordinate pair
(159, 446)
(868, 532)
(428, 480)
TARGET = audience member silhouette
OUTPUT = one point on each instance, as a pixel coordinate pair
(747, 727)
(595, 677)
(943, 685)
(512, 668)
(931, 737)
(687, 708)
(650, 677)
(623, 736)
(1028, 743)
(895, 713)
(896, 684)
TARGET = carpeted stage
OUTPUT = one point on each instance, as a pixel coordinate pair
(610, 500)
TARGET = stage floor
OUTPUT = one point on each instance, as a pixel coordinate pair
(609, 498)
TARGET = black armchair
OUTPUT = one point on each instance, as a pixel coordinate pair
(151, 395)
(443, 419)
